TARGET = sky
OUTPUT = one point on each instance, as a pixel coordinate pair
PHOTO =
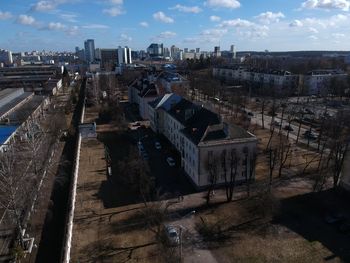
(251, 25)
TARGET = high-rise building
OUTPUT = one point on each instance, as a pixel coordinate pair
(198, 50)
(98, 54)
(89, 45)
(155, 50)
(233, 51)
(109, 58)
(176, 53)
(124, 55)
(217, 52)
(185, 49)
(6, 57)
(167, 52)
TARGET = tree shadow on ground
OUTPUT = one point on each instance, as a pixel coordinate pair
(306, 215)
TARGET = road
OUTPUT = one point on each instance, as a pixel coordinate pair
(257, 119)
(170, 180)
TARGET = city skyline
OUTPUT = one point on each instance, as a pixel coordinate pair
(62, 25)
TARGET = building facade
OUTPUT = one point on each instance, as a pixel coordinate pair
(109, 58)
(203, 141)
(89, 46)
(124, 55)
(279, 79)
(6, 57)
(317, 82)
(155, 50)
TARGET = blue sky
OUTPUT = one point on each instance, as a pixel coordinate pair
(275, 25)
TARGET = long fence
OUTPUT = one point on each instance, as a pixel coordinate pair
(73, 189)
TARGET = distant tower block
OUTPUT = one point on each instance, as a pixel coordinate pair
(233, 51)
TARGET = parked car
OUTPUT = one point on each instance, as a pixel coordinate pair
(276, 123)
(170, 161)
(288, 128)
(309, 135)
(157, 145)
(172, 235)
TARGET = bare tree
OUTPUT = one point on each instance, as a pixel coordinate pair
(283, 106)
(263, 105)
(212, 166)
(272, 159)
(13, 190)
(230, 181)
(300, 117)
(251, 170)
(338, 131)
(284, 148)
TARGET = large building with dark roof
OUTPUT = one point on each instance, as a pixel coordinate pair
(201, 137)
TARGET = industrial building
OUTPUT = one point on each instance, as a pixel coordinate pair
(43, 79)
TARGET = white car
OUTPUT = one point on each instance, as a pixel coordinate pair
(157, 145)
(170, 161)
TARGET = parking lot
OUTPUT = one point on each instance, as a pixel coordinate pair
(169, 180)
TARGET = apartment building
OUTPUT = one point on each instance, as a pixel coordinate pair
(279, 79)
(317, 82)
(201, 137)
(140, 92)
(172, 82)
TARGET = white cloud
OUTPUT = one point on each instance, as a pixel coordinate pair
(116, 2)
(187, 9)
(25, 20)
(5, 15)
(338, 35)
(214, 32)
(47, 5)
(43, 6)
(327, 4)
(211, 35)
(69, 17)
(270, 17)
(144, 24)
(167, 34)
(113, 11)
(95, 26)
(313, 37)
(333, 21)
(245, 28)
(215, 18)
(55, 26)
(223, 3)
(236, 23)
(72, 31)
(296, 23)
(190, 40)
(161, 17)
(125, 38)
(313, 30)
